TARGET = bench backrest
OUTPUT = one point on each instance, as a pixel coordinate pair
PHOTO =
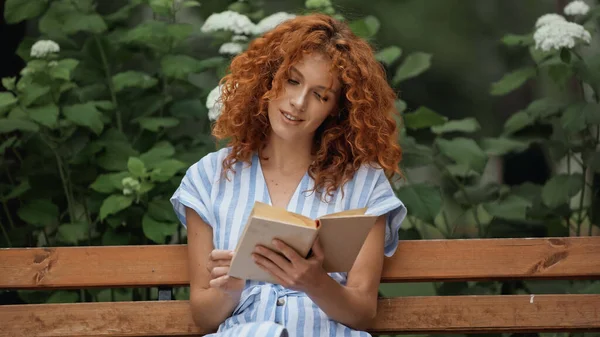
(415, 261)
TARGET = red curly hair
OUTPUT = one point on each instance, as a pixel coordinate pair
(363, 131)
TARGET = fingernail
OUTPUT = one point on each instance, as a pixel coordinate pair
(276, 243)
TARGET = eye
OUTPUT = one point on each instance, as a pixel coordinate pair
(321, 98)
(292, 81)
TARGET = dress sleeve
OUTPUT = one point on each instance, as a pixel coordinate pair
(195, 190)
(383, 200)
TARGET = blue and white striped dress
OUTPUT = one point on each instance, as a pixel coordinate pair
(267, 309)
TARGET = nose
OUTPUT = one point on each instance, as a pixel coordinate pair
(298, 100)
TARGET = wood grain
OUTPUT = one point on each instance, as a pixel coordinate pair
(423, 260)
(435, 314)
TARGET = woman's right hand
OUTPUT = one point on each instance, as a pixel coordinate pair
(218, 265)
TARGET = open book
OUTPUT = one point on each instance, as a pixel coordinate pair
(341, 235)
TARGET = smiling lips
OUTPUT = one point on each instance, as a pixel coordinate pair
(290, 116)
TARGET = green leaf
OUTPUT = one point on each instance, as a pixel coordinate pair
(423, 118)
(8, 83)
(501, 146)
(592, 113)
(517, 122)
(573, 119)
(136, 167)
(414, 65)
(39, 212)
(463, 151)
(512, 207)
(7, 101)
(512, 81)
(133, 79)
(190, 3)
(10, 125)
(162, 210)
(113, 238)
(180, 66)
(156, 123)
(517, 40)
(414, 154)
(388, 55)
(18, 10)
(46, 115)
(400, 105)
(33, 92)
(464, 125)
(108, 183)
(85, 115)
(73, 233)
(424, 201)
(114, 204)
(366, 27)
(561, 188)
(462, 170)
(594, 161)
(63, 69)
(151, 34)
(159, 152)
(18, 191)
(157, 231)
(123, 13)
(90, 23)
(8, 143)
(543, 108)
(162, 7)
(63, 296)
(477, 194)
(166, 169)
(117, 151)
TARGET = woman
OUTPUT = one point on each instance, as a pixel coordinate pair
(308, 113)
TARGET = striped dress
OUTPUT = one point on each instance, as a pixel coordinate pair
(267, 309)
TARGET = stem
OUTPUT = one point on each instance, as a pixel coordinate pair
(113, 96)
(6, 235)
(46, 237)
(580, 213)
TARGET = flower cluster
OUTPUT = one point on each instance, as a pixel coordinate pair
(271, 22)
(130, 185)
(553, 31)
(228, 21)
(577, 7)
(44, 48)
(213, 104)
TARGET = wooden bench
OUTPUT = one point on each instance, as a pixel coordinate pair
(415, 261)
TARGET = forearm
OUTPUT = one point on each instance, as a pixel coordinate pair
(211, 307)
(350, 306)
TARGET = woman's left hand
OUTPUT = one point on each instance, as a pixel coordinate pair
(297, 272)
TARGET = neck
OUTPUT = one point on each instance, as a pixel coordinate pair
(287, 156)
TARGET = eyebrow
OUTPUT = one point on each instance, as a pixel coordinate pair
(292, 68)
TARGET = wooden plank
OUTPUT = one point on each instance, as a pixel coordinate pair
(423, 260)
(436, 314)
(494, 259)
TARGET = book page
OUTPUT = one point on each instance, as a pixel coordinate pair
(268, 212)
(342, 239)
(348, 213)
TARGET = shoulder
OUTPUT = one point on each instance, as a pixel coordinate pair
(367, 173)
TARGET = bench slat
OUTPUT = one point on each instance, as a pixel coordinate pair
(422, 260)
(434, 314)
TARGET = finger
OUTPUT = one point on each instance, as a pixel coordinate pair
(218, 272)
(317, 249)
(220, 254)
(287, 251)
(274, 257)
(219, 282)
(218, 263)
(271, 268)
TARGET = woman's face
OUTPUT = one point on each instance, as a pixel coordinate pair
(304, 102)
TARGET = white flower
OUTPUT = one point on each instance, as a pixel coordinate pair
(577, 7)
(130, 185)
(213, 103)
(231, 48)
(229, 21)
(272, 21)
(44, 47)
(548, 18)
(239, 38)
(560, 34)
